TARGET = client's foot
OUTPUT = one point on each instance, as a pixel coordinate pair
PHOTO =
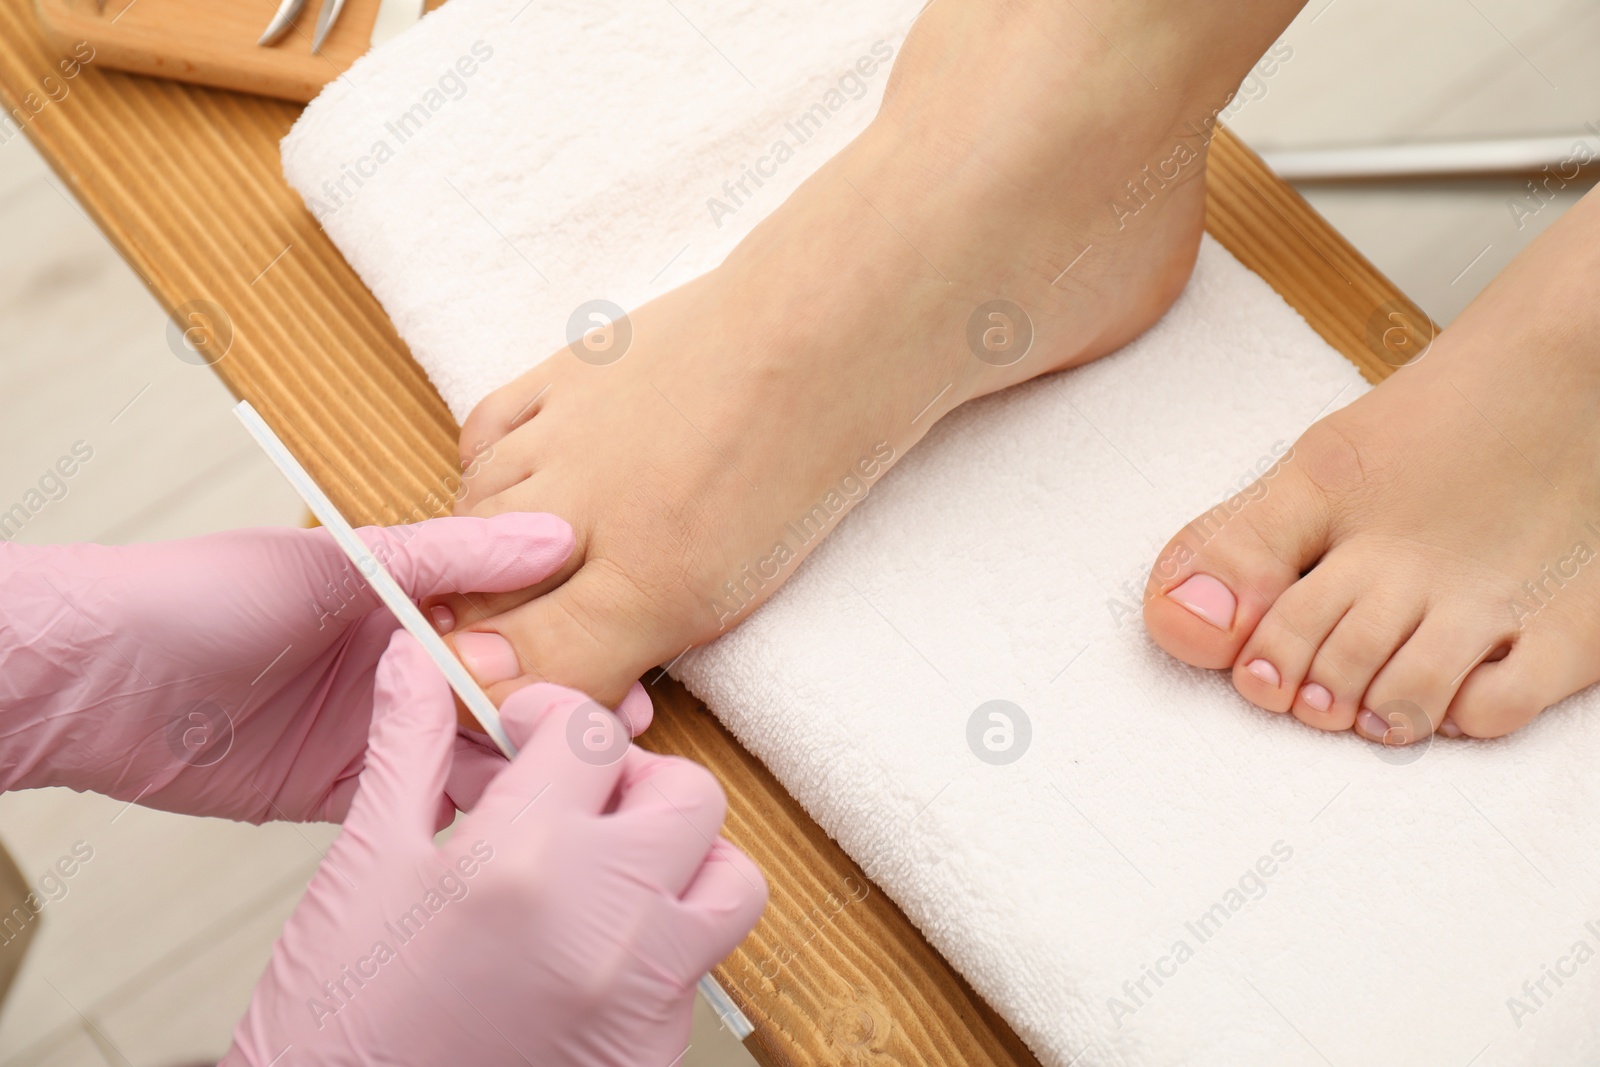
(1430, 549)
(753, 407)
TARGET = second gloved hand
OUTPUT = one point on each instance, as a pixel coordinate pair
(565, 922)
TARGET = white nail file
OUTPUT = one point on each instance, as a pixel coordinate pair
(377, 576)
(395, 598)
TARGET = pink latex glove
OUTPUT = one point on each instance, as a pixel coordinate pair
(565, 922)
(231, 675)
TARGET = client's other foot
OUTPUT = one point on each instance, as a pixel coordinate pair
(1020, 156)
(1429, 550)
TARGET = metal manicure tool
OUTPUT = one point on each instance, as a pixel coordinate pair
(394, 16)
(290, 10)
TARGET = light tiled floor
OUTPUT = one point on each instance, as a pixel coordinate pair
(153, 952)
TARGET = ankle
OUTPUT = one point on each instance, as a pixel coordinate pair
(1013, 87)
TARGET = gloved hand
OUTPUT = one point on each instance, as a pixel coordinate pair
(231, 675)
(565, 922)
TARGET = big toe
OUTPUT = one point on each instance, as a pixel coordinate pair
(592, 633)
(1218, 577)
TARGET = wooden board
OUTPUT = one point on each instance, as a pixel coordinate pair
(1272, 230)
(857, 984)
(212, 43)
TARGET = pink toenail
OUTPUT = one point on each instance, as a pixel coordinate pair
(1263, 670)
(1450, 729)
(1207, 598)
(1373, 728)
(488, 656)
(444, 620)
(1316, 696)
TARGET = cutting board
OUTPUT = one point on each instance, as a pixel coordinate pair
(212, 42)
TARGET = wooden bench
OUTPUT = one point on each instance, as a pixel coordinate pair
(186, 184)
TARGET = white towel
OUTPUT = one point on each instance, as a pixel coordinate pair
(1165, 874)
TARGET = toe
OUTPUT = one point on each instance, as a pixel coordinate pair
(511, 463)
(1499, 697)
(1272, 666)
(1408, 698)
(593, 634)
(1353, 654)
(503, 410)
(1218, 577)
(469, 608)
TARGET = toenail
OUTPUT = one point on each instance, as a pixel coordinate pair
(1450, 729)
(1207, 598)
(1372, 727)
(444, 620)
(488, 656)
(1316, 696)
(1263, 670)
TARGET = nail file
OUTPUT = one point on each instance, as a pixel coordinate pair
(378, 576)
(396, 600)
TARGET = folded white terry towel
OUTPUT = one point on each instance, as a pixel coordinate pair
(1163, 874)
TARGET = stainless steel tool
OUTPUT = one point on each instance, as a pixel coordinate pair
(394, 16)
(1439, 159)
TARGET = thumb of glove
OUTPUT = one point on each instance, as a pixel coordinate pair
(409, 748)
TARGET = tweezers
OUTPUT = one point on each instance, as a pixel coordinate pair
(289, 10)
